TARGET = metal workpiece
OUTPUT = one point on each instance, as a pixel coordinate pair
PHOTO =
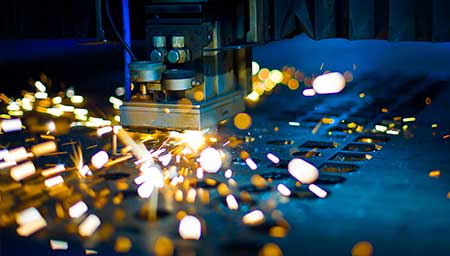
(180, 116)
(146, 71)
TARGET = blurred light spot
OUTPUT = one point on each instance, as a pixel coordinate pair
(276, 76)
(270, 249)
(362, 248)
(190, 228)
(242, 121)
(255, 217)
(329, 83)
(284, 190)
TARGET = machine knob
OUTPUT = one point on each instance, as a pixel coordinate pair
(178, 41)
(159, 41)
(158, 55)
(176, 56)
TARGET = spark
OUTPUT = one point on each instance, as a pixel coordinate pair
(284, 190)
(104, 130)
(44, 148)
(409, 119)
(228, 173)
(99, 159)
(435, 174)
(59, 245)
(77, 99)
(381, 128)
(294, 123)
(190, 228)
(51, 182)
(199, 173)
(319, 192)
(22, 171)
(54, 170)
(303, 171)
(251, 164)
(89, 225)
(255, 217)
(78, 209)
(11, 125)
(30, 221)
(232, 203)
(145, 190)
(40, 86)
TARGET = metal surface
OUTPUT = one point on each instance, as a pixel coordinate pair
(195, 116)
(146, 71)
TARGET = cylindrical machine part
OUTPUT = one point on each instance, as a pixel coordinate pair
(158, 55)
(178, 41)
(159, 41)
(146, 71)
(177, 56)
(178, 80)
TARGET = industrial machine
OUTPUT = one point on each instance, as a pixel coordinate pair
(198, 67)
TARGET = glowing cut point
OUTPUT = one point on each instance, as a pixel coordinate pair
(284, 190)
(99, 159)
(78, 209)
(232, 203)
(89, 225)
(255, 217)
(11, 125)
(303, 171)
(318, 191)
(190, 228)
(329, 83)
(251, 164)
(273, 158)
(210, 160)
